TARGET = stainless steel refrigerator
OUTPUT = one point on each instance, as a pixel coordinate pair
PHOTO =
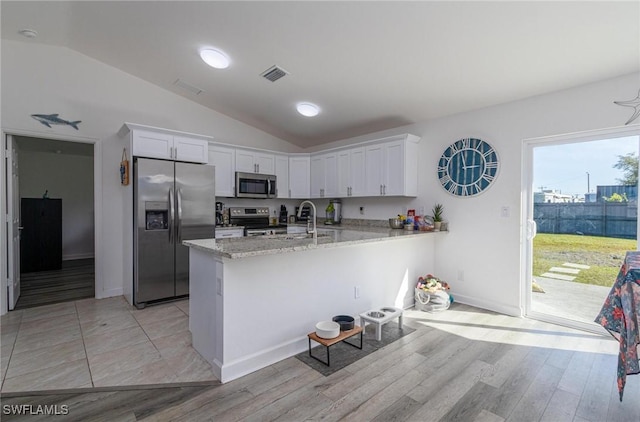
(173, 201)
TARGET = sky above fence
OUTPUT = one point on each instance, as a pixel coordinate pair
(564, 167)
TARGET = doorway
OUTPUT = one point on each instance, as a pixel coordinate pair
(57, 220)
(581, 218)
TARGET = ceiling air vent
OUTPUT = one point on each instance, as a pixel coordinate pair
(184, 85)
(274, 73)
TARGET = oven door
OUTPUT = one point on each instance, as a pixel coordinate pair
(250, 185)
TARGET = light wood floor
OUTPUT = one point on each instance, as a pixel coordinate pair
(464, 364)
(76, 280)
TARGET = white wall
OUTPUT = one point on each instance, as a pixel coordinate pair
(70, 178)
(481, 244)
(39, 79)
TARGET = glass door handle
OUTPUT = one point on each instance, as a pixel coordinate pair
(532, 229)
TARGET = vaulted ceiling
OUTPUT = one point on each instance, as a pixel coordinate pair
(370, 66)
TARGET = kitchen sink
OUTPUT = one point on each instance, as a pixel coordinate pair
(296, 236)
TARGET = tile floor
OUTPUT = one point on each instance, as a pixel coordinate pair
(98, 343)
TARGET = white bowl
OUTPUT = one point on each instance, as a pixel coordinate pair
(327, 329)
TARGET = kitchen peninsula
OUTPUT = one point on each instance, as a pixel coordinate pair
(254, 300)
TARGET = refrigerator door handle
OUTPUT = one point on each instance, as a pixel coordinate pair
(171, 215)
(179, 196)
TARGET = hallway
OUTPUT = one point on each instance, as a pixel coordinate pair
(76, 280)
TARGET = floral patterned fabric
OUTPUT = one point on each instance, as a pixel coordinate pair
(620, 316)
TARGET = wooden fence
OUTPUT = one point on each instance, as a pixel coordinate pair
(609, 219)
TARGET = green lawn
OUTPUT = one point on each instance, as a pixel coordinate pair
(603, 254)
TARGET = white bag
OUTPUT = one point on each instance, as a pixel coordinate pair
(431, 302)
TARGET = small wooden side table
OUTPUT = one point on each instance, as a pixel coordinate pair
(328, 342)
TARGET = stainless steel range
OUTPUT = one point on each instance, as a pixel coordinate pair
(255, 221)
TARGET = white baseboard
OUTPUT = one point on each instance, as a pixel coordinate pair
(72, 257)
(109, 293)
(241, 367)
(489, 305)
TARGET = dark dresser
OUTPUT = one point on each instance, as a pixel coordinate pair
(41, 237)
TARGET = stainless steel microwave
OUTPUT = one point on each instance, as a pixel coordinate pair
(255, 185)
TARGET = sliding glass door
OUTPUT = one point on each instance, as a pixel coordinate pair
(581, 216)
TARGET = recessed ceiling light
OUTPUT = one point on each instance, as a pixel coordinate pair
(308, 109)
(29, 33)
(215, 58)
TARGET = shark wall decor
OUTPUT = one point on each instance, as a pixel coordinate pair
(635, 104)
(53, 119)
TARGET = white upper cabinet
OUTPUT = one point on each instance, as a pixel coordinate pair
(223, 158)
(324, 175)
(299, 176)
(317, 176)
(152, 144)
(282, 175)
(166, 144)
(380, 167)
(391, 167)
(331, 175)
(351, 172)
(394, 168)
(249, 161)
(190, 149)
(374, 162)
(357, 171)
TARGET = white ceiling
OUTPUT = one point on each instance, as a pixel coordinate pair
(370, 66)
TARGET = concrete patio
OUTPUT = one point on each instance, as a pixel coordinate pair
(568, 299)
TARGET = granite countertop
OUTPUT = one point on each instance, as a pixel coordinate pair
(328, 237)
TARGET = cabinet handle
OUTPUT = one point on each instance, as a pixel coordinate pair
(289, 193)
(384, 189)
(380, 189)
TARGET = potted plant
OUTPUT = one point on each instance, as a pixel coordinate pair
(437, 216)
(330, 211)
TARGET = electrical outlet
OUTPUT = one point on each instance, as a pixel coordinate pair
(362, 210)
(356, 292)
(505, 211)
(460, 275)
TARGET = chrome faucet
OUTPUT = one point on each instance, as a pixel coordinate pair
(314, 232)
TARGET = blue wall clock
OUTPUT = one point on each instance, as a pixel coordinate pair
(468, 167)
